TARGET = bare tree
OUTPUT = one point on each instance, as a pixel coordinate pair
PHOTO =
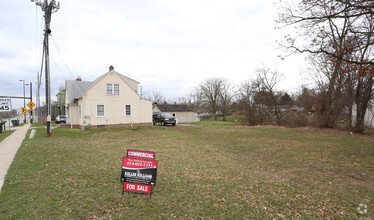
(327, 26)
(225, 99)
(246, 102)
(193, 100)
(341, 32)
(154, 96)
(268, 79)
(210, 91)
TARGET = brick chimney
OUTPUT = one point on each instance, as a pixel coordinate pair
(111, 68)
(79, 78)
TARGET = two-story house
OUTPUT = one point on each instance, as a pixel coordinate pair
(111, 100)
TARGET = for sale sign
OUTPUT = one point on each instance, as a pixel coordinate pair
(5, 105)
(139, 171)
(133, 187)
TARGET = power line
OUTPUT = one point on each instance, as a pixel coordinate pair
(54, 42)
(71, 74)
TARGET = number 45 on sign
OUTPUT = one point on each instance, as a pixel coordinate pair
(5, 105)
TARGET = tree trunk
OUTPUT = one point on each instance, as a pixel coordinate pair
(328, 118)
(362, 100)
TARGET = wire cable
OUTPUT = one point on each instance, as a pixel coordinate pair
(54, 42)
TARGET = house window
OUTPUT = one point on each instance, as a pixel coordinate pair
(127, 110)
(79, 110)
(109, 89)
(112, 89)
(100, 110)
(116, 89)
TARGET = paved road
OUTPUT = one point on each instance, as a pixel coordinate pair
(8, 149)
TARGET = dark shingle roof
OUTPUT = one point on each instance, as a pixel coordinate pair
(173, 108)
(74, 88)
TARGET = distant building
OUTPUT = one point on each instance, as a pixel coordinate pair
(60, 104)
(182, 112)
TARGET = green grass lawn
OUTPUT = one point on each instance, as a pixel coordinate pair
(5, 134)
(209, 171)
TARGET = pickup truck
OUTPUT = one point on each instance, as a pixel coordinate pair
(163, 118)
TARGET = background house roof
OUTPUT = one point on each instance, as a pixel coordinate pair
(173, 108)
(75, 88)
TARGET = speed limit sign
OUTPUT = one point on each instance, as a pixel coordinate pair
(5, 105)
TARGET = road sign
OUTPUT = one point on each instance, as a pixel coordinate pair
(31, 105)
(23, 110)
(5, 105)
(31, 109)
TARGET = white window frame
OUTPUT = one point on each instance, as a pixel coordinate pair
(100, 116)
(111, 89)
(126, 115)
(114, 89)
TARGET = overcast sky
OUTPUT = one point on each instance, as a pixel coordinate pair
(169, 46)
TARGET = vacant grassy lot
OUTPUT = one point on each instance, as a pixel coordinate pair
(207, 171)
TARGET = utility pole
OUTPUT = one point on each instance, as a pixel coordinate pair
(31, 101)
(24, 99)
(48, 8)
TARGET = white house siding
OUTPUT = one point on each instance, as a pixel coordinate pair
(369, 116)
(73, 115)
(185, 117)
(96, 94)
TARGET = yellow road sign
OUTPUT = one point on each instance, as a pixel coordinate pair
(31, 105)
(23, 110)
(31, 110)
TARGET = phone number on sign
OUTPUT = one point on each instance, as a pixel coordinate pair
(139, 164)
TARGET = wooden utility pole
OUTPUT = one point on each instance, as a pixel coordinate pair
(48, 8)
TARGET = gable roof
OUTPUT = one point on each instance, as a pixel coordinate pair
(173, 108)
(76, 89)
(125, 79)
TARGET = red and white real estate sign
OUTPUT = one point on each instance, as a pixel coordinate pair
(146, 155)
(139, 188)
(139, 171)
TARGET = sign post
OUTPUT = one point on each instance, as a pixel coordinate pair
(139, 172)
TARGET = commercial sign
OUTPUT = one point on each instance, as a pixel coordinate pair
(5, 105)
(147, 155)
(139, 175)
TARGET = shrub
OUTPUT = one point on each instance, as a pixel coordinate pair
(294, 119)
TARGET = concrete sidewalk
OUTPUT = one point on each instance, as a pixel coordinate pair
(8, 149)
